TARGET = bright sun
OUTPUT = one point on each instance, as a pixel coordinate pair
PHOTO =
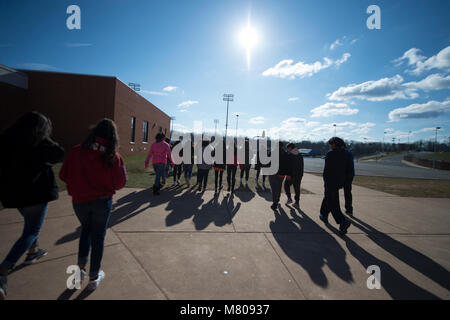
(248, 38)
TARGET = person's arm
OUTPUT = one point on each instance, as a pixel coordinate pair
(169, 155)
(50, 153)
(64, 171)
(119, 173)
(302, 165)
(326, 168)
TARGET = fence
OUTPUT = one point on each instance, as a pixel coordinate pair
(442, 165)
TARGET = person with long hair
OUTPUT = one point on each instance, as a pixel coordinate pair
(93, 172)
(160, 154)
(27, 183)
(177, 167)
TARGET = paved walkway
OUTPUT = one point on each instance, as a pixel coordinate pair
(185, 245)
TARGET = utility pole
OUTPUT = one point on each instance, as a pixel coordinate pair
(435, 143)
(172, 119)
(216, 121)
(227, 97)
(334, 125)
(237, 120)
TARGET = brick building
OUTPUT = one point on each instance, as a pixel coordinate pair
(75, 102)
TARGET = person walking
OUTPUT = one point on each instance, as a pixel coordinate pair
(244, 163)
(297, 174)
(27, 183)
(348, 183)
(231, 168)
(334, 175)
(160, 154)
(203, 168)
(276, 180)
(177, 167)
(219, 168)
(187, 167)
(93, 172)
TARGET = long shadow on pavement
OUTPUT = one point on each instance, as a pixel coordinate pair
(316, 254)
(395, 284)
(408, 255)
(215, 212)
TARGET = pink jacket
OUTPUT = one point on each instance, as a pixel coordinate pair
(159, 152)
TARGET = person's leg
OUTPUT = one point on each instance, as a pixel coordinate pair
(158, 174)
(229, 169)
(99, 218)
(220, 178)
(287, 189)
(242, 173)
(348, 195)
(205, 179)
(216, 177)
(275, 185)
(233, 177)
(333, 203)
(83, 212)
(247, 173)
(34, 218)
(258, 171)
(296, 183)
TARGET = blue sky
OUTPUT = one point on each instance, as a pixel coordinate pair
(315, 63)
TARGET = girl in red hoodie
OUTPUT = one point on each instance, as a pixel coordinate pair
(93, 172)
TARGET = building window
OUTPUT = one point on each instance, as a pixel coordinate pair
(133, 128)
(145, 131)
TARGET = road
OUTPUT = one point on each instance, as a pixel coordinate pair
(387, 167)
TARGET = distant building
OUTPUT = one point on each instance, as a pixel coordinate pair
(75, 102)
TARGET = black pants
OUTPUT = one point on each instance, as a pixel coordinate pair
(295, 182)
(202, 177)
(231, 176)
(331, 204)
(176, 172)
(246, 169)
(276, 184)
(258, 171)
(348, 194)
(218, 174)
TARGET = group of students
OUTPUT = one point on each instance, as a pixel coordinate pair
(92, 171)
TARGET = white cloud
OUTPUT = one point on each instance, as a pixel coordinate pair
(256, 120)
(154, 93)
(291, 121)
(354, 41)
(336, 44)
(286, 68)
(293, 99)
(170, 88)
(420, 64)
(431, 109)
(424, 130)
(375, 90)
(187, 103)
(331, 109)
(432, 82)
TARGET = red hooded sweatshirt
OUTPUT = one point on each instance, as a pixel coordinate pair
(86, 176)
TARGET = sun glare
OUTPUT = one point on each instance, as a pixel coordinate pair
(248, 38)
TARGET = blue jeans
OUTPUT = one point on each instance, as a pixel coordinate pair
(160, 171)
(34, 219)
(94, 218)
(187, 168)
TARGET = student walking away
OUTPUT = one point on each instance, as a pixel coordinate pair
(160, 154)
(167, 166)
(263, 168)
(284, 171)
(244, 164)
(27, 183)
(177, 167)
(93, 172)
(219, 168)
(187, 167)
(348, 182)
(297, 174)
(257, 163)
(231, 168)
(334, 175)
(203, 169)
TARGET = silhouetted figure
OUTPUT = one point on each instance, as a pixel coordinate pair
(27, 183)
(187, 167)
(203, 168)
(297, 174)
(93, 172)
(219, 168)
(284, 171)
(244, 162)
(232, 168)
(348, 183)
(334, 175)
(177, 167)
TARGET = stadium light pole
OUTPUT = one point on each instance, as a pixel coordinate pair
(382, 146)
(227, 97)
(237, 121)
(334, 125)
(172, 119)
(216, 121)
(435, 142)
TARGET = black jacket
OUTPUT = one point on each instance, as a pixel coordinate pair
(285, 162)
(29, 180)
(297, 165)
(336, 167)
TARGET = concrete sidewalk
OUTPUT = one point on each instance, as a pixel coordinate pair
(187, 245)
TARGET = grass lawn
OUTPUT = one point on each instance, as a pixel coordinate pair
(442, 156)
(405, 187)
(380, 156)
(138, 177)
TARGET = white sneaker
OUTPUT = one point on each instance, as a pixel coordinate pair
(93, 284)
